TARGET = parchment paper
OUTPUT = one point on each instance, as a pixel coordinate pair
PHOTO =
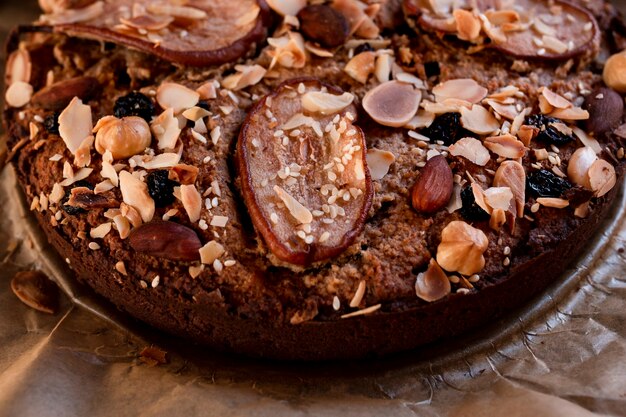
(564, 355)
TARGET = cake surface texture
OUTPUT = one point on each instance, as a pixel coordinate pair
(324, 179)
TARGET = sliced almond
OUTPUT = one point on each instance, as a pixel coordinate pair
(461, 249)
(506, 146)
(467, 25)
(571, 113)
(361, 66)
(433, 284)
(379, 162)
(192, 201)
(392, 103)
(210, 252)
(18, 94)
(246, 76)
(75, 124)
(287, 7)
(177, 97)
(511, 174)
(464, 89)
(19, 67)
(421, 120)
(308, 195)
(555, 100)
(326, 103)
(289, 51)
(471, 149)
(166, 129)
(135, 194)
(479, 120)
(558, 203)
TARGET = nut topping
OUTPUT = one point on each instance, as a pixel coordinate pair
(464, 89)
(18, 94)
(392, 103)
(177, 97)
(323, 24)
(75, 124)
(471, 149)
(434, 186)
(36, 290)
(511, 174)
(579, 165)
(614, 73)
(124, 137)
(167, 240)
(602, 177)
(379, 162)
(305, 179)
(433, 284)
(325, 103)
(461, 249)
(606, 109)
(135, 194)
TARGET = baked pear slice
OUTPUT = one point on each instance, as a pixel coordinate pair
(188, 32)
(303, 169)
(527, 29)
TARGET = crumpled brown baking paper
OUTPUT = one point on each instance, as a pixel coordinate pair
(564, 355)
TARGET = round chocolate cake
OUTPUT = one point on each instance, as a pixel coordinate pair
(314, 180)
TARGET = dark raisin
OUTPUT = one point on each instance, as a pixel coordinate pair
(204, 104)
(547, 132)
(470, 210)
(432, 69)
(161, 188)
(544, 183)
(51, 123)
(364, 47)
(134, 104)
(446, 128)
(71, 210)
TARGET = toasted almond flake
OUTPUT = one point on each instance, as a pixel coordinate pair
(246, 76)
(289, 50)
(219, 221)
(80, 175)
(361, 66)
(135, 194)
(298, 211)
(506, 146)
(18, 67)
(210, 252)
(317, 50)
(554, 44)
(479, 120)
(195, 113)
(195, 270)
(326, 103)
(287, 7)
(464, 89)
(121, 268)
(358, 295)
(103, 187)
(382, 71)
(433, 284)
(507, 111)
(572, 113)
(208, 90)
(587, 140)
(479, 197)
(165, 129)
(18, 94)
(498, 197)
(555, 100)
(421, 120)
(602, 177)
(392, 103)
(57, 193)
(553, 202)
(471, 149)
(75, 124)
(176, 97)
(461, 249)
(100, 231)
(467, 25)
(497, 219)
(184, 12)
(192, 201)
(56, 157)
(378, 162)
(511, 174)
(362, 312)
(71, 15)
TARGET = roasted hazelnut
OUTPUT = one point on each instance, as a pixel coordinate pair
(124, 137)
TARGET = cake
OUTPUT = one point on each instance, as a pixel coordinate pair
(318, 180)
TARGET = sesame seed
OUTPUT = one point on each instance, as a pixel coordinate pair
(324, 237)
(474, 278)
(93, 246)
(367, 310)
(309, 239)
(336, 303)
(217, 265)
(507, 250)
(230, 262)
(507, 261)
(454, 279)
(462, 291)
(274, 218)
(155, 281)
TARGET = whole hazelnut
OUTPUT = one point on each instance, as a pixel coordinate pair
(124, 137)
(614, 74)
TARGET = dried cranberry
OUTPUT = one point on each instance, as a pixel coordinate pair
(544, 183)
(446, 128)
(134, 104)
(470, 210)
(161, 188)
(547, 132)
(364, 47)
(51, 123)
(71, 210)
